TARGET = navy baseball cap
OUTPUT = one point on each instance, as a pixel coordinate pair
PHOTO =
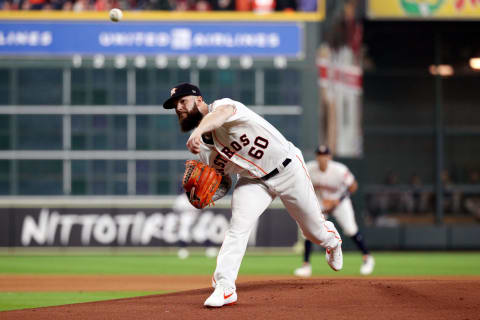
(322, 150)
(181, 90)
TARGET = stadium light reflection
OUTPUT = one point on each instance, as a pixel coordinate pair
(475, 63)
(444, 70)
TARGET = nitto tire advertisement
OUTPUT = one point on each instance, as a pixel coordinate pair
(55, 227)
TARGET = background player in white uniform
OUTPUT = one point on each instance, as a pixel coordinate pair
(235, 140)
(333, 183)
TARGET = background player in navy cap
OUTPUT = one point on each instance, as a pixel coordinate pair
(333, 183)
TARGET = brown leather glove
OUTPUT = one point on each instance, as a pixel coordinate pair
(200, 182)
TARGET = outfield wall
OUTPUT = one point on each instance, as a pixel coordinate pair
(153, 222)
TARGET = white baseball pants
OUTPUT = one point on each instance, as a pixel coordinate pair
(252, 197)
(345, 217)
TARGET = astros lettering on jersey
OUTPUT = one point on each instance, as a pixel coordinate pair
(257, 148)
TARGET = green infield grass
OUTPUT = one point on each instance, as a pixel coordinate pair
(25, 300)
(255, 263)
(387, 264)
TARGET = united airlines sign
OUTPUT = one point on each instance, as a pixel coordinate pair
(88, 38)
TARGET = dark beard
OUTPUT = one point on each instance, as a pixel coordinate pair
(192, 120)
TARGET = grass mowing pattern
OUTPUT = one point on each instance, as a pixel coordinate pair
(387, 264)
(25, 300)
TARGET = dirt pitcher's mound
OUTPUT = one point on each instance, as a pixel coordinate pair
(292, 299)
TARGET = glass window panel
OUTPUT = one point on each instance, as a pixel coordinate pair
(80, 85)
(99, 177)
(40, 86)
(120, 122)
(5, 132)
(4, 86)
(99, 141)
(39, 132)
(99, 186)
(158, 176)
(4, 167)
(225, 80)
(99, 121)
(157, 132)
(120, 167)
(99, 87)
(207, 84)
(4, 141)
(99, 132)
(226, 86)
(120, 87)
(181, 142)
(143, 187)
(4, 177)
(79, 167)
(142, 86)
(79, 142)
(153, 85)
(120, 188)
(80, 173)
(247, 97)
(99, 167)
(282, 87)
(235, 84)
(79, 122)
(79, 187)
(40, 177)
(143, 167)
(287, 125)
(246, 87)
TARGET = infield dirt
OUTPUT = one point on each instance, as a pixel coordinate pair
(315, 298)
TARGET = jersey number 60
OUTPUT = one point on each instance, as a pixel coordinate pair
(257, 153)
(254, 152)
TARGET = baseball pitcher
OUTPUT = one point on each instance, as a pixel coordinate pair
(232, 139)
(333, 183)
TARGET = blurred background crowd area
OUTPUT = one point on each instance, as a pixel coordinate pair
(410, 194)
(168, 5)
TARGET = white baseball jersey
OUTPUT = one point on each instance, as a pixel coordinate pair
(211, 157)
(331, 183)
(247, 145)
(249, 141)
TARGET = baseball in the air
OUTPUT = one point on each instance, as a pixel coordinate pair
(116, 14)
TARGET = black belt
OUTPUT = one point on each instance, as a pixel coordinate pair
(275, 171)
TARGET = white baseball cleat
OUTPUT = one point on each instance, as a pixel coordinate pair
(222, 296)
(304, 271)
(367, 265)
(334, 257)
